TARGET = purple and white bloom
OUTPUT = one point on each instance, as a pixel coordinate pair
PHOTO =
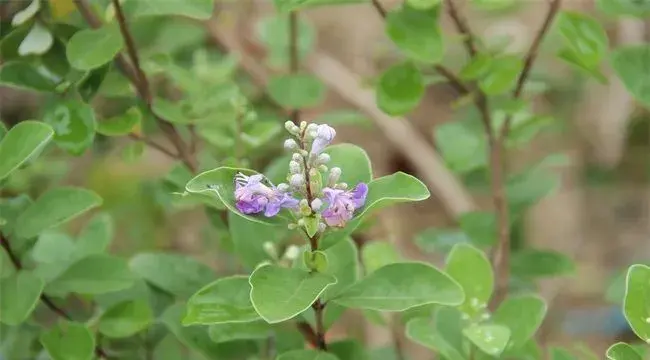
(341, 204)
(324, 136)
(252, 196)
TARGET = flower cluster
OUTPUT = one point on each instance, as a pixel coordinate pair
(313, 192)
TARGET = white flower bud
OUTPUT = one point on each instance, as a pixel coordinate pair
(296, 157)
(322, 227)
(270, 249)
(316, 204)
(301, 222)
(312, 127)
(294, 167)
(292, 252)
(291, 127)
(335, 174)
(297, 180)
(292, 226)
(290, 144)
(282, 187)
(342, 186)
(323, 158)
(322, 168)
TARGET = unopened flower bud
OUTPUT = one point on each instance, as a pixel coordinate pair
(297, 180)
(270, 249)
(294, 167)
(312, 127)
(282, 187)
(323, 158)
(292, 252)
(301, 222)
(322, 227)
(292, 226)
(303, 153)
(250, 116)
(316, 204)
(335, 174)
(290, 144)
(342, 186)
(296, 157)
(303, 125)
(313, 172)
(304, 208)
(322, 168)
(291, 128)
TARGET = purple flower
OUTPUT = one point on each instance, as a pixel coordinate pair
(341, 204)
(324, 136)
(253, 196)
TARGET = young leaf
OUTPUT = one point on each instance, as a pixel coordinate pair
(299, 290)
(37, 42)
(69, 341)
(176, 274)
(226, 300)
(532, 263)
(443, 335)
(400, 89)
(296, 91)
(637, 297)
(502, 76)
(120, 125)
(491, 339)
(126, 319)
(55, 207)
(91, 48)
(19, 294)
(622, 351)
(306, 355)
(96, 235)
(400, 286)
(94, 274)
(416, 33)
(26, 76)
(73, 122)
(523, 315)
(21, 143)
(472, 270)
(586, 41)
(631, 65)
(315, 261)
(239, 331)
(377, 254)
(219, 187)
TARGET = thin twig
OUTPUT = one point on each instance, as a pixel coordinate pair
(153, 144)
(308, 333)
(380, 9)
(4, 242)
(462, 27)
(531, 56)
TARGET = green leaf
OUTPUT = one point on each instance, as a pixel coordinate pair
(53, 208)
(249, 246)
(523, 315)
(19, 294)
(434, 240)
(96, 235)
(491, 339)
(176, 274)
(94, 274)
(472, 270)
(27, 13)
(639, 9)
(464, 149)
(622, 351)
(416, 33)
(196, 9)
(11, 208)
(296, 91)
(21, 144)
(226, 300)
(377, 254)
(174, 112)
(311, 225)
(273, 32)
(401, 286)
(480, 227)
(443, 335)
(23, 75)
(477, 67)
(120, 125)
(91, 48)
(218, 186)
(532, 263)
(343, 264)
(502, 75)
(6, 266)
(423, 4)
(69, 341)
(239, 331)
(133, 151)
(630, 64)
(279, 294)
(637, 297)
(585, 38)
(37, 42)
(400, 89)
(53, 247)
(353, 161)
(74, 124)
(561, 354)
(126, 319)
(315, 261)
(306, 355)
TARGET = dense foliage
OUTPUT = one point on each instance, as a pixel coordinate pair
(283, 198)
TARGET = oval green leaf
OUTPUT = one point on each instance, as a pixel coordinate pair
(401, 286)
(24, 75)
(69, 341)
(378, 254)
(400, 89)
(91, 48)
(622, 351)
(523, 315)
(416, 33)
(443, 334)
(296, 91)
(55, 207)
(21, 143)
(533, 263)
(255, 330)
(226, 300)
(120, 125)
(19, 294)
(74, 123)
(472, 270)
(94, 274)
(630, 64)
(306, 355)
(126, 319)
(491, 339)
(299, 290)
(637, 298)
